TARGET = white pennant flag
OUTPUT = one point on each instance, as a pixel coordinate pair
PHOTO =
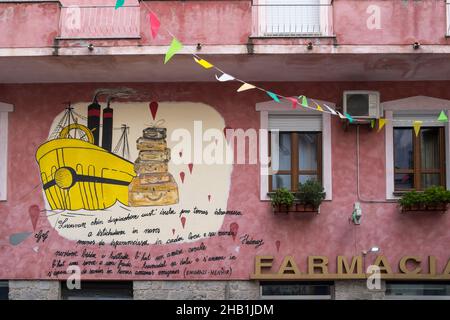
(224, 77)
(331, 110)
(341, 115)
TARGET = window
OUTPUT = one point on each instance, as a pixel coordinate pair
(405, 152)
(305, 138)
(419, 162)
(293, 17)
(4, 110)
(99, 290)
(100, 22)
(296, 290)
(4, 290)
(299, 159)
(418, 290)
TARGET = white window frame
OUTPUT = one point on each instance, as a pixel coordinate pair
(416, 105)
(271, 107)
(447, 9)
(5, 108)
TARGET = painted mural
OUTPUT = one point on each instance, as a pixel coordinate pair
(121, 191)
(123, 178)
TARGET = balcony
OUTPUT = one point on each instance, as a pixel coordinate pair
(99, 22)
(292, 18)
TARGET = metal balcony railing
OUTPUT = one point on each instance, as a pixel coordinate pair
(292, 18)
(99, 22)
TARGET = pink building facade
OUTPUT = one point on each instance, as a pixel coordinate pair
(116, 166)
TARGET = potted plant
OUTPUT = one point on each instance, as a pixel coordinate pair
(432, 199)
(310, 196)
(282, 200)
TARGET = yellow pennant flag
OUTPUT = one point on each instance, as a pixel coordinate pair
(246, 86)
(205, 64)
(417, 125)
(381, 123)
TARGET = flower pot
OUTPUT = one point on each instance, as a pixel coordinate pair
(281, 209)
(305, 208)
(435, 207)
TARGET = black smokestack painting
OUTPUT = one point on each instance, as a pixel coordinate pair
(107, 128)
(94, 111)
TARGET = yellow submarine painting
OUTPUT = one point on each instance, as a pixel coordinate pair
(91, 176)
(78, 174)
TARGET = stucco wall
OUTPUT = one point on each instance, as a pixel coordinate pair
(328, 233)
(230, 23)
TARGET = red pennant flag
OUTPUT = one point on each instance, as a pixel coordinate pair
(294, 101)
(154, 24)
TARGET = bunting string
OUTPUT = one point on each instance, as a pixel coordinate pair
(299, 101)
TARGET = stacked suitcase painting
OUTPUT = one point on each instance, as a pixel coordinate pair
(153, 185)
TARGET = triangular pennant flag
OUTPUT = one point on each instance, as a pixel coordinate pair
(154, 24)
(304, 101)
(417, 125)
(341, 115)
(246, 86)
(294, 101)
(175, 46)
(381, 123)
(443, 117)
(273, 96)
(119, 3)
(349, 117)
(205, 64)
(224, 77)
(372, 123)
(318, 107)
(331, 110)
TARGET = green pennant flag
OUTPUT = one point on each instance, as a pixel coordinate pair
(443, 117)
(175, 46)
(372, 123)
(304, 101)
(119, 3)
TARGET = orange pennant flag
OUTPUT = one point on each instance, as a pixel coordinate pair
(246, 86)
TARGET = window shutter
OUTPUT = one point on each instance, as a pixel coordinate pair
(291, 122)
(406, 119)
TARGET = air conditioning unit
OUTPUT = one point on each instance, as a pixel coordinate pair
(362, 104)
